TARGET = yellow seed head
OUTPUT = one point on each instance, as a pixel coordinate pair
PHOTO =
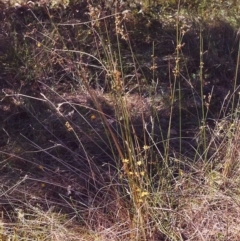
(139, 163)
(125, 161)
(145, 147)
(68, 126)
(144, 194)
(142, 173)
(93, 117)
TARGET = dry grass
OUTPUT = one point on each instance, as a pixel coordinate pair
(119, 125)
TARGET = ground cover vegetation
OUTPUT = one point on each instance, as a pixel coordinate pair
(119, 120)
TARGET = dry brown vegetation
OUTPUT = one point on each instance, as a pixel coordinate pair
(119, 121)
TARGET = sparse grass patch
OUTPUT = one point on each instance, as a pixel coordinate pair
(120, 121)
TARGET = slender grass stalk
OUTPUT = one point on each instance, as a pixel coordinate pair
(236, 76)
(203, 117)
